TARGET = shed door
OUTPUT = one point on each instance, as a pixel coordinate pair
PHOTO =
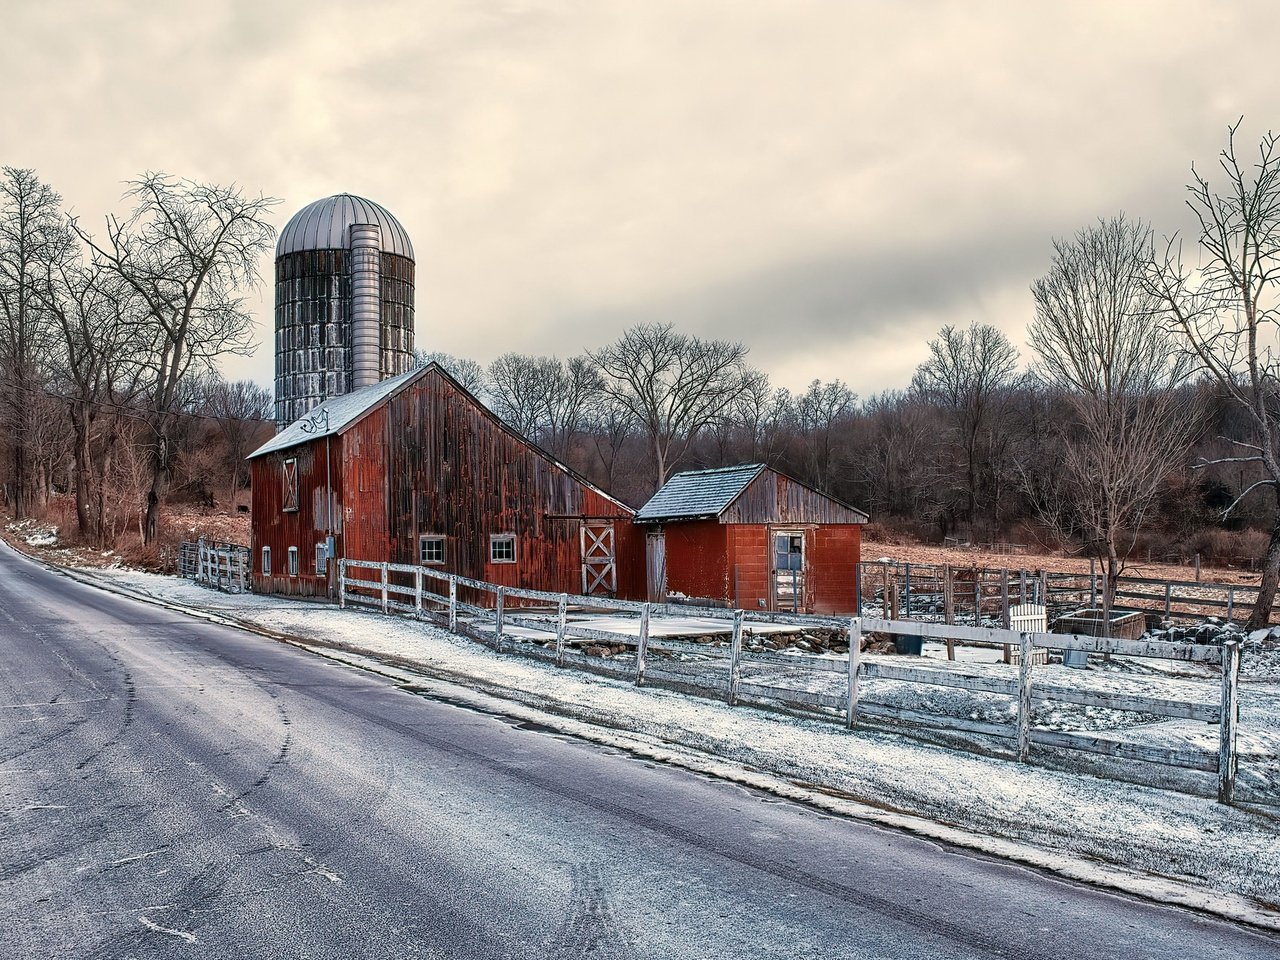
(788, 570)
(656, 566)
(599, 559)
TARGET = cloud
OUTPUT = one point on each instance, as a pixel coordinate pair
(829, 181)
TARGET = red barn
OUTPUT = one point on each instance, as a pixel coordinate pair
(753, 538)
(415, 470)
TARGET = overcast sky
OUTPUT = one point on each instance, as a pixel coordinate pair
(830, 182)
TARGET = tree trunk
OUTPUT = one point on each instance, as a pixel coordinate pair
(83, 457)
(1260, 616)
(160, 471)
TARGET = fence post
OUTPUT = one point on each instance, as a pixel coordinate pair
(499, 604)
(906, 594)
(948, 595)
(417, 591)
(1004, 598)
(1231, 603)
(561, 611)
(384, 586)
(855, 665)
(453, 603)
(1229, 722)
(1024, 699)
(735, 658)
(200, 560)
(642, 649)
(1093, 584)
(342, 583)
(1168, 600)
(1197, 567)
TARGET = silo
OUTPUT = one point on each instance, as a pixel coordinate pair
(344, 302)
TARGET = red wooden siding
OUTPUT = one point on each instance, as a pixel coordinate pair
(775, 498)
(698, 559)
(833, 552)
(280, 529)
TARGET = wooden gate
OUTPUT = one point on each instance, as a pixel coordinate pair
(599, 559)
(788, 570)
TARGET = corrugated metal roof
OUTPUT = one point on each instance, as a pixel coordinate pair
(698, 493)
(324, 225)
(335, 414)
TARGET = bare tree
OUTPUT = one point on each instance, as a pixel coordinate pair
(519, 388)
(186, 251)
(969, 374)
(672, 385)
(32, 235)
(814, 417)
(244, 413)
(1225, 311)
(1095, 342)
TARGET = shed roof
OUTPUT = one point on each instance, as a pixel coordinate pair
(335, 414)
(698, 493)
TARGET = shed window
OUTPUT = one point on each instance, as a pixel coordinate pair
(293, 561)
(502, 548)
(431, 549)
(290, 500)
(322, 559)
(266, 561)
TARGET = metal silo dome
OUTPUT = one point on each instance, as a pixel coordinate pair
(344, 302)
(324, 225)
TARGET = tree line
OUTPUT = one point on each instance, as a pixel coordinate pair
(1145, 415)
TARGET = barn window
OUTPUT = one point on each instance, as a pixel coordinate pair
(266, 561)
(322, 559)
(293, 561)
(431, 549)
(290, 484)
(502, 548)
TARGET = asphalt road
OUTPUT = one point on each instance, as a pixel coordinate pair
(173, 788)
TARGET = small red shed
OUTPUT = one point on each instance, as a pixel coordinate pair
(752, 538)
(415, 470)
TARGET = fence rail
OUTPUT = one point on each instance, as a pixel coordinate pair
(521, 620)
(222, 566)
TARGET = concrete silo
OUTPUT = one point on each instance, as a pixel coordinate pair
(344, 302)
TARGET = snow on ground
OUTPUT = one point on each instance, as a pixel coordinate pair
(1145, 828)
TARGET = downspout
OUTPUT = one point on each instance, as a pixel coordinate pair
(328, 518)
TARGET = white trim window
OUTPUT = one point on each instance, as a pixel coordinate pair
(431, 550)
(266, 561)
(502, 548)
(293, 561)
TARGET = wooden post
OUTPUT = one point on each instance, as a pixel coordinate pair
(884, 593)
(1043, 597)
(499, 604)
(417, 591)
(1197, 566)
(1231, 602)
(977, 597)
(342, 583)
(384, 587)
(642, 649)
(561, 613)
(855, 665)
(453, 603)
(1168, 600)
(893, 599)
(1004, 598)
(906, 594)
(948, 595)
(1022, 583)
(1093, 584)
(735, 658)
(1024, 699)
(1229, 722)
(857, 586)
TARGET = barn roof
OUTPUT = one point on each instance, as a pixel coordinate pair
(698, 493)
(335, 414)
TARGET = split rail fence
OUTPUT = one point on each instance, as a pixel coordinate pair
(517, 615)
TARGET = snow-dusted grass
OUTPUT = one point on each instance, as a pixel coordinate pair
(1143, 828)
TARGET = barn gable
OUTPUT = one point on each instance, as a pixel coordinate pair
(749, 493)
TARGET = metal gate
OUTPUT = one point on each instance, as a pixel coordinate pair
(599, 559)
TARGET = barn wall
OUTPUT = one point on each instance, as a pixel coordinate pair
(774, 498)
(274, 527)
(698, 559)
(833, 554)
(749, 564)
(453, 470)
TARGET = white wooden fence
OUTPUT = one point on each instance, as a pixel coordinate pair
(422, 591)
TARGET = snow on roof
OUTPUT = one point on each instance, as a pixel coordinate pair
(699, 493)
(335, 414)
